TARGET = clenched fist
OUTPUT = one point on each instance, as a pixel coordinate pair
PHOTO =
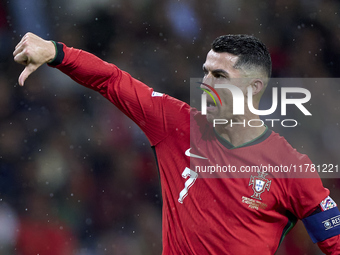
(33, 51)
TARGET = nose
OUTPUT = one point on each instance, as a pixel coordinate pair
(210, 89)
(208, 77)
(202, 85)
(207, 81)
(205, 85)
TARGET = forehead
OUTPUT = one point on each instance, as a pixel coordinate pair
(220, 60)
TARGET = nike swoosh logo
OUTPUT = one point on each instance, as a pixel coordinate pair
(187, 153)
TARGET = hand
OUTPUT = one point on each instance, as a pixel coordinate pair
(32, 51)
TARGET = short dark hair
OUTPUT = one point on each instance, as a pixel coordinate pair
(250, 50)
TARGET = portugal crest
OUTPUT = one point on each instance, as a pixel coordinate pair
(260, 184)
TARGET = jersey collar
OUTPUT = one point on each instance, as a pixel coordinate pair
(256, 140)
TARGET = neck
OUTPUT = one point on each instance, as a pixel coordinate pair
(238, 134)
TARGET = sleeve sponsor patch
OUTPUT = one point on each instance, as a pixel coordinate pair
(327, 204)
(156, 94)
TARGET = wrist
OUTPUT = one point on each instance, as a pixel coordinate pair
(54, 52)
(59, 54)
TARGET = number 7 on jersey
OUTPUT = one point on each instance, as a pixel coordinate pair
(192, 178)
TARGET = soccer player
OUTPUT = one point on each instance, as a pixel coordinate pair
(248, 214)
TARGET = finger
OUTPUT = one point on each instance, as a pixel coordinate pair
(23, 39)
(25, 73)
(21, 58)
(19, 43)
(18, 49)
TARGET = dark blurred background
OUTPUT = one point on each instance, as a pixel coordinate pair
(76, 175)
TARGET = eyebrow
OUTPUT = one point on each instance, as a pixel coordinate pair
(217, 71)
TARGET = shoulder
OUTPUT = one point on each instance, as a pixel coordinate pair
(279, 148)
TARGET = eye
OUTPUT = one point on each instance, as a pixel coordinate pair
(217, 76)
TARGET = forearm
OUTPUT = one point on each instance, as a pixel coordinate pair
(153, 112)
(85, 68)
(131, 96)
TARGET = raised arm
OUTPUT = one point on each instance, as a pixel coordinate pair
(155, 113)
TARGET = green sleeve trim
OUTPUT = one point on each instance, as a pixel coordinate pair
(256, 138)
(56, 52)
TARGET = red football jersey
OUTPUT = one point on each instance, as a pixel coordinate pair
(203, 213)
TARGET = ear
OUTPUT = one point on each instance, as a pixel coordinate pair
(257, 86)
